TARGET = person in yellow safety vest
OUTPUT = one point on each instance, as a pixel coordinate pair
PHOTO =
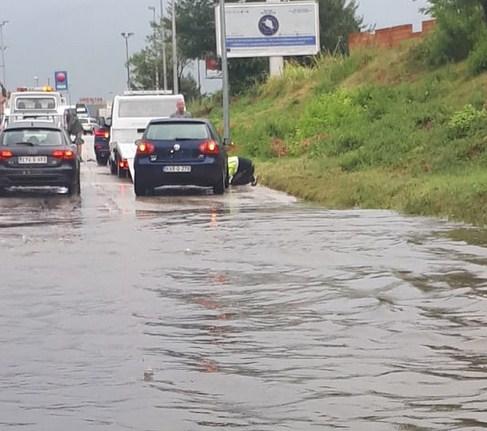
(241, 171)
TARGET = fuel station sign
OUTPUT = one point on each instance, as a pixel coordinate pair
(61, 80)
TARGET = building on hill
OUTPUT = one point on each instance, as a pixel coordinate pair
(389, 37)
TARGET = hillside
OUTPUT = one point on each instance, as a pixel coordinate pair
(374, 130)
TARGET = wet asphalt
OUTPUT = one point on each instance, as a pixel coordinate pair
(249, 311)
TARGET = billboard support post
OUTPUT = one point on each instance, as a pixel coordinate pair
(283, 28)
(276, 64)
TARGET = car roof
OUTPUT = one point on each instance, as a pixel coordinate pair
(26, 124)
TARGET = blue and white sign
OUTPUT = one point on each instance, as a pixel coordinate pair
(270, 29)
(268, 25)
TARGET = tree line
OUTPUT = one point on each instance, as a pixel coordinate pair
(461, 33)
(195, 21)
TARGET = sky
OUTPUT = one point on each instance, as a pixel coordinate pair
(83, 38)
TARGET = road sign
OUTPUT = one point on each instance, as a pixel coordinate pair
(213, 67)
(270, 29)
(61, 80)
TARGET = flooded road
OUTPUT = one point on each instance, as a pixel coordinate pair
(251, 311)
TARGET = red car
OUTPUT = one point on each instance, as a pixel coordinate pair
(102, 149)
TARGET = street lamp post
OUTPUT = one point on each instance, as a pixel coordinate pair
(156, 71)
(126, 37)
(163, 38)
(174, 51)
(2, 48)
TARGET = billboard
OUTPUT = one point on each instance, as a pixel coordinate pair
(61, 80)
(270, 29)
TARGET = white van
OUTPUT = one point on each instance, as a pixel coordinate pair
(131, 112)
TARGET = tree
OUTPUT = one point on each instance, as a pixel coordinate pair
(145, 63)
(142, 70)
(462, 6)
(338, 18)
(461, 25)
(195, 21)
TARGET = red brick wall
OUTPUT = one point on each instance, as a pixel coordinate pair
(388, 37)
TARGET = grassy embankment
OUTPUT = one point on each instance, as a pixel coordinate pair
(374, 130)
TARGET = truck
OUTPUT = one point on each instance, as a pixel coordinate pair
(131, 112)
(40, 104)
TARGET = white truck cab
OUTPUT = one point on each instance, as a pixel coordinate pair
(131, 112)
(40, 104)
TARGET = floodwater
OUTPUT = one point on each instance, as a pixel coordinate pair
(250, 311)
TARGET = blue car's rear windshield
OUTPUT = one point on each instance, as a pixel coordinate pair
(47, 137)
(173, 131)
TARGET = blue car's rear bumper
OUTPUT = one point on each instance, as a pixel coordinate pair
(205, 173)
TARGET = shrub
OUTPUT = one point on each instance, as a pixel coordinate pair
(465, 121)
(352, 161)
(327, 112)
(477, 61)
(457, 33)
(345, 143)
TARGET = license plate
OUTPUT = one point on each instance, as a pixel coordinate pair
(32, 160)
(175, 169)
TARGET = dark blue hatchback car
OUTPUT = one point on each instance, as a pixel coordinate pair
(180, 152)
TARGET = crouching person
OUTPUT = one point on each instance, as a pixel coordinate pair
(241, 171)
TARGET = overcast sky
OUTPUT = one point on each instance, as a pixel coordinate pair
(83, 38)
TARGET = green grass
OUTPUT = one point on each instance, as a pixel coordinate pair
(373, 130)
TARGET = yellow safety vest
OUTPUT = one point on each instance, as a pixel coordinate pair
(232, 166)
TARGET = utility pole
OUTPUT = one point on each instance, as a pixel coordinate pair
(156, 71)
(163, 39)
(3, 48)
(174, 51)
(226, 83)
(126, 37)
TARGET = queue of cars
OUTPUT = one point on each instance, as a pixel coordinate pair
(139, 140)
(167, 151)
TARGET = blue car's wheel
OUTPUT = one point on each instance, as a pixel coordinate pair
(141, 189)
(219, 187)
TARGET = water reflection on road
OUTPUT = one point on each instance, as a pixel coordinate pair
(253, 312)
